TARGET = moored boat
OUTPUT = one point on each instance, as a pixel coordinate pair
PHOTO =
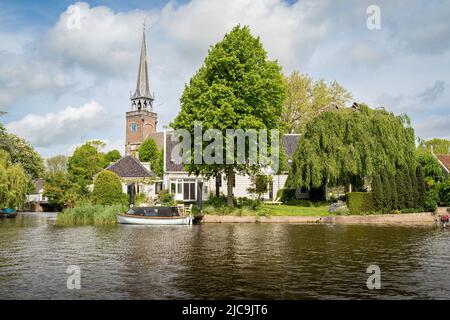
(154, 216)
(8, 213)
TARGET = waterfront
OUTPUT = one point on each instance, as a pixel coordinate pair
(221, 261)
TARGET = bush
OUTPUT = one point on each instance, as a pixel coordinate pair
(286, 195)
(108, 189)
(342, 211)
(359, 202)
(444, 193)
(90, 214)
(166, 198)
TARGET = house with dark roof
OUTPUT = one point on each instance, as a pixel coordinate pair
(131, 170)
(185, 187)
(444, 161)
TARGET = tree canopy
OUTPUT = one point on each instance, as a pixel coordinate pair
(13, 182)
(438, 146)
(148, 152)
(112, 156)
(56, 164)
(85, 162)
(237, 87)
(306, 99)
(23, 153)
(346, 146)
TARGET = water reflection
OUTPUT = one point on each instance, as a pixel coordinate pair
(221, 261)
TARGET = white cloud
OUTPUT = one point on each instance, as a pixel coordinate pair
(64, 127)
(433, 126)
(21, 76)
(105, 41)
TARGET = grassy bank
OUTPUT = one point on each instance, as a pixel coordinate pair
(268, 210)
(286, 210)
(90, 214)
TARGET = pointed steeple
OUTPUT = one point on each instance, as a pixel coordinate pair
(142, 97)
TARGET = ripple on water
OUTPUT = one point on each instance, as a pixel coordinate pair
(221, 261)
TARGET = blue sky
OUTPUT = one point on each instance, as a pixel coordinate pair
(63, 85)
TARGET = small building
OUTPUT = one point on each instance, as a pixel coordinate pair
(131, 170)
(444, 161)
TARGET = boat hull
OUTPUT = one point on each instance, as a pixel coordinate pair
(143, 220)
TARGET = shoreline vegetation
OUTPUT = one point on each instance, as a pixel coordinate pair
(90, 214)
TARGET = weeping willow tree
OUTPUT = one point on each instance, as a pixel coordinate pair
(346, 146)
(13, 183)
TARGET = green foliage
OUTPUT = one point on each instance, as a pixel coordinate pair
(444, 193)
(360, 202)
(166, 198)
(90, 214)
(108, 189)
(112, 156)
(259, 185)
(286, 195)
(237, 87)
(60, 190)
(377, 193)
(22, 152)
(148, 152)
(345, 146)
(421, 187)
(439, 146)
(306, 99)
(342, 211)
(56, 164)
(431, 167)
(13, 183)
(85, 162)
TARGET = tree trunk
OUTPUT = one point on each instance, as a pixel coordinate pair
(230, 181)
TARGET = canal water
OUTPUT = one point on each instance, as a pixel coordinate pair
(221, 261)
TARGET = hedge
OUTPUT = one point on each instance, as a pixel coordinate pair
(359, 202)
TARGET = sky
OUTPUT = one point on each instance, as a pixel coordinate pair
(67, 68)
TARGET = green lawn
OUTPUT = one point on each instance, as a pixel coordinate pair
(285, 210)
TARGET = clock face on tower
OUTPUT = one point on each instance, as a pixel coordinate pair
(134, 127)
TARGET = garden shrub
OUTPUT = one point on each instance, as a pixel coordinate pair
(166, 198)
(359, 202)
(108, 189)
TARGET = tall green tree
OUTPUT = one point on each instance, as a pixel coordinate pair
(236, 88)
(56, 164)
(149, 152)
(13, 182)
(306, 99)
(112, 156)
(346, 146)
(421, 186)
(377, 192)
(61, 190)
(23, 153)
(85, 162)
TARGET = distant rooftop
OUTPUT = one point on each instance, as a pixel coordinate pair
(130, 167)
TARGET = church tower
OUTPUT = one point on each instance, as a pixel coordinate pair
(141, 121)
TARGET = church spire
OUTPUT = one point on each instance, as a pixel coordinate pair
(142, 99)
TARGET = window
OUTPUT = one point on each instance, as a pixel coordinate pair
(189, 190)
(158, 187)
(173, 187)
(179, 187)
